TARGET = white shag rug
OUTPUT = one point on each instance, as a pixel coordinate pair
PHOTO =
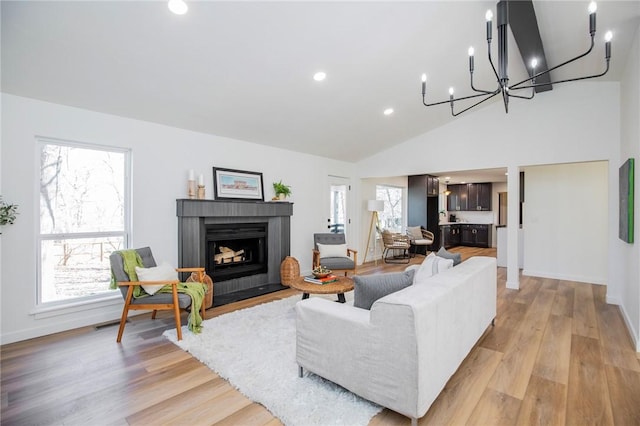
(254, 349)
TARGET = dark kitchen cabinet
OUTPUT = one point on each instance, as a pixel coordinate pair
(479, 196)
(475, 235)
(467, 235)
(422, 204)
(433, 186)
(483, 235)
(469, 197)
(457, 198)
(450, 235)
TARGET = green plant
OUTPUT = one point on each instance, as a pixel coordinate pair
(281, 188)
(8, 212)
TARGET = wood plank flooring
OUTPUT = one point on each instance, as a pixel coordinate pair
(558, 355)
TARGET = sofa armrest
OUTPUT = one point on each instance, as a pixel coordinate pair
(330, 337)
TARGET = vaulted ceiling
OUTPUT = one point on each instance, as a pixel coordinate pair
(244, 69)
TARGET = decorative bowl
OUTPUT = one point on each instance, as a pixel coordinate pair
(321, 274)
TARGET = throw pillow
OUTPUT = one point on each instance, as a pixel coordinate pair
(369, 288)
(415, 233)
(431, 266)
(457, 257)
(162, 272)
(332, 250)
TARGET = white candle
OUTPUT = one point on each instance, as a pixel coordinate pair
(201, 180)
(191, 175)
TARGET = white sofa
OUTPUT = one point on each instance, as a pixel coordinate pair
(402, 352)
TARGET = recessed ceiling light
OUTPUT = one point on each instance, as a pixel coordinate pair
(179, 7)
(319, 76)
(388, 111)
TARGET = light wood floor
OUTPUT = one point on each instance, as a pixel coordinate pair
(558, 355)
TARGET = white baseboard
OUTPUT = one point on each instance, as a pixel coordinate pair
(635, 336)
(51, 327)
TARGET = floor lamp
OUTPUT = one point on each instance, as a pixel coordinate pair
(374, 206)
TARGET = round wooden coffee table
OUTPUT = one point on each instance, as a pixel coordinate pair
(339, 287)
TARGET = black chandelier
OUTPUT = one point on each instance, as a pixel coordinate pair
(501, 73)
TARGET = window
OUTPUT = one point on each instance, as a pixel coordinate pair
(84, 216)
(391, 218)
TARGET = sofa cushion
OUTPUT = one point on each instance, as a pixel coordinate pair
(332, 250)
(457, 257)
(163, 272)
(432, 265)
(369, 288)
(414, 232)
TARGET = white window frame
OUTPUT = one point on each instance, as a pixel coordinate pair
(125, 233)
(403, 204)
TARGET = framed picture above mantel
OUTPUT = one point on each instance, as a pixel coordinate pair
(231, 184)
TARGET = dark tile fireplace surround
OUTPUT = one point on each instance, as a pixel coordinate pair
(257, 232)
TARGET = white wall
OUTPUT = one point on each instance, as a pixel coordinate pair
(565, 229)
(627, 264)
(162, 156)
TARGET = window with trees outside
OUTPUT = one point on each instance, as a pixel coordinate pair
(391, 217)
(84, 217)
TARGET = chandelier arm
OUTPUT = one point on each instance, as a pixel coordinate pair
(515, 86)
(461, 99)
(533, 93)
(491, 61)
(486, 92)
(487, 97)
(565, 81)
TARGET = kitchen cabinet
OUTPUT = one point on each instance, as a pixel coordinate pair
(433, 186)
(479, 196)
(457, 198)
(475, 235)
(469, 197)
(422, 205)
(467, 235)
(450, 235)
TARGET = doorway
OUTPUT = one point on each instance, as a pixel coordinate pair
(338, 219)
(502, 208)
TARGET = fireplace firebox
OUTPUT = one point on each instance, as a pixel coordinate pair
(236, 250)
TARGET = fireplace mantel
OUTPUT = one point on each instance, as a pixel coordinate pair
(225, 208)
(195, 215)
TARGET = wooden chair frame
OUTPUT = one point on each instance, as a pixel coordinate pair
(350, 252)
(175, 307)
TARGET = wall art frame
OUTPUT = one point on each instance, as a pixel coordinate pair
(626, 200)
(231, 184)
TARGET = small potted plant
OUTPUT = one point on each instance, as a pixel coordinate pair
(8, 212)
(282, 191)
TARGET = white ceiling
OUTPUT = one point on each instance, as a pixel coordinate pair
(244, 69)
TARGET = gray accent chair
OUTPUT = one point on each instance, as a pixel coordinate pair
(346, 263)
(160, 301)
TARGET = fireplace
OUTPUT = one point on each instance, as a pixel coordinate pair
(258, 232)
(237, 250)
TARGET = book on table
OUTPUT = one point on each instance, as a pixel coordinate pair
(326, 280)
